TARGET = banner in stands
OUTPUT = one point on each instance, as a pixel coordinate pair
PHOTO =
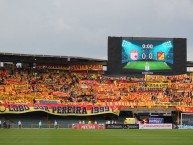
(42, 101)
(88, 82)
(59, 109)
(86, 67)
(157, 85)
(187, 109)
(72, 67)
(52, 66)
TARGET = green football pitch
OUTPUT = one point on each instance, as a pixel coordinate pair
(95, 137)
(141, 65)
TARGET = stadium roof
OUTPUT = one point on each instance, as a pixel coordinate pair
(53, 59)
(48, 59)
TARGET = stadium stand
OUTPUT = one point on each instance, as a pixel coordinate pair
(43, 85)
(63, 87)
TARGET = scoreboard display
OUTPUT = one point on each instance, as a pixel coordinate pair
(147, 55)
(143, 55)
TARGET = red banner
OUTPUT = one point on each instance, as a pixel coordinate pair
(187, 109)
(88, 126)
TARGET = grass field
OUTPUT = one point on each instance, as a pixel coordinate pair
(140, 65)
(95, 137)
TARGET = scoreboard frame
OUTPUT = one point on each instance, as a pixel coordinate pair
(115, 56)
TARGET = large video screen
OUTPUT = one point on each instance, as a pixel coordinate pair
(146, 55)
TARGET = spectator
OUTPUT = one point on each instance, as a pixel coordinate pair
(40, 124)
(19, 124)
(55, 124)
(4, 124)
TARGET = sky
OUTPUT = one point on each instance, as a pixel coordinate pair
(81, 27)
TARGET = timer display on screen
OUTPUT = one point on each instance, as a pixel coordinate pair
(147, 55)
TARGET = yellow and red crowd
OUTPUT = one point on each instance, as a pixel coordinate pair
(83, 87)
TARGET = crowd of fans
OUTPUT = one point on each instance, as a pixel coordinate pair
(65, 87)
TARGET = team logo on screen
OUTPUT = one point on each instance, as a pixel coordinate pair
(160, 55)
(134, 54)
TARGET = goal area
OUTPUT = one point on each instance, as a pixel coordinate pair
(186, 121)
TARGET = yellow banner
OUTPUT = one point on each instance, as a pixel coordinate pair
(72, 67)
(59, 109)
(86, 67)
(157, 85)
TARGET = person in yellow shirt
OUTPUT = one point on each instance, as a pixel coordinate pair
(89, 122)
